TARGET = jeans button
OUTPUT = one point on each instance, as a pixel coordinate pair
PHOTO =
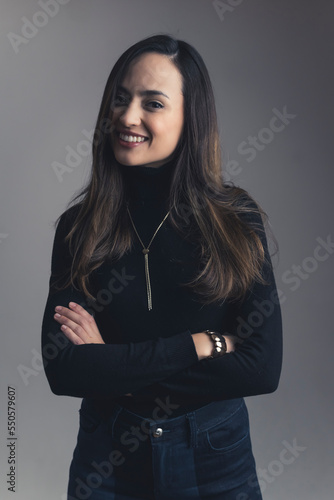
(158, 432)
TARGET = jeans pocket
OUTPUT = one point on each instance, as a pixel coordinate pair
(229, 434)
(89, 422)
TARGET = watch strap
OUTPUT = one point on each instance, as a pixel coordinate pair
(219, 343)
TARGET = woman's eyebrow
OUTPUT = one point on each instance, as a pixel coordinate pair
(143, 92)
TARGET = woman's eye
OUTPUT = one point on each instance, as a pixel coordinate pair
(155, 104)
(120, 99)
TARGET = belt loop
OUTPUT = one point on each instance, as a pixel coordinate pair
(193, 429)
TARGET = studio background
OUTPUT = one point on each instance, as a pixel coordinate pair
(266, 58)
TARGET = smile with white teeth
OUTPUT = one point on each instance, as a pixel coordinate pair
(132, 138)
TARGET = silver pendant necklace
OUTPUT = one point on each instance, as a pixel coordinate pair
(146, 252)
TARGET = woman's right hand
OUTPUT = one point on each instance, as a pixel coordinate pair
(204, 345)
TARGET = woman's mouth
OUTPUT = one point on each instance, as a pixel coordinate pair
(130, 141)
(132, 138)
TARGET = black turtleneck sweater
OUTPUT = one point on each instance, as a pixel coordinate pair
(150, 353)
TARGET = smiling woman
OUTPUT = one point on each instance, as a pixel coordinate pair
(158, 356)
(148, 104)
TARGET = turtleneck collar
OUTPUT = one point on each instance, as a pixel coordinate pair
(148, 184)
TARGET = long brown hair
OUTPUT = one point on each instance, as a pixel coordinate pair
(232, 254)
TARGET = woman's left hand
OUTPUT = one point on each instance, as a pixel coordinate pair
(78, 325)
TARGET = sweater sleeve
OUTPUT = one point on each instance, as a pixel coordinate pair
(254, 367)
(102, 370)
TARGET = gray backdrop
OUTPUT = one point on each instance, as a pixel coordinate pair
(267, 59)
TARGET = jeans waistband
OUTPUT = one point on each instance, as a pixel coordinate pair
(192, 422)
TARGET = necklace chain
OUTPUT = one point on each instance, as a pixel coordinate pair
(146, 252)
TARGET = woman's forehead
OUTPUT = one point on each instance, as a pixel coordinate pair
(152, 71)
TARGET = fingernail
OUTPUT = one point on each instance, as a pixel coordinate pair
(58, 308)
(57, 315)
(72, 304)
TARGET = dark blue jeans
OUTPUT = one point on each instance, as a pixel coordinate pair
(204, 454)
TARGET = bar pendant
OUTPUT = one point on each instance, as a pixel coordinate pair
(148, 283)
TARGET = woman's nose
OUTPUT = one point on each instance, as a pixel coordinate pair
(131, 115)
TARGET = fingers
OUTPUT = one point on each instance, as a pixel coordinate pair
(73, 337)
(77, 324)
(76, 313)
(80, 310)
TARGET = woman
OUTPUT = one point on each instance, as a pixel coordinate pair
(162, 312)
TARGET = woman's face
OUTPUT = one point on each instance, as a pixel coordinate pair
(148, 112)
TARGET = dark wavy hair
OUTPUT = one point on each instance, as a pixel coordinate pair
(232, 254)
